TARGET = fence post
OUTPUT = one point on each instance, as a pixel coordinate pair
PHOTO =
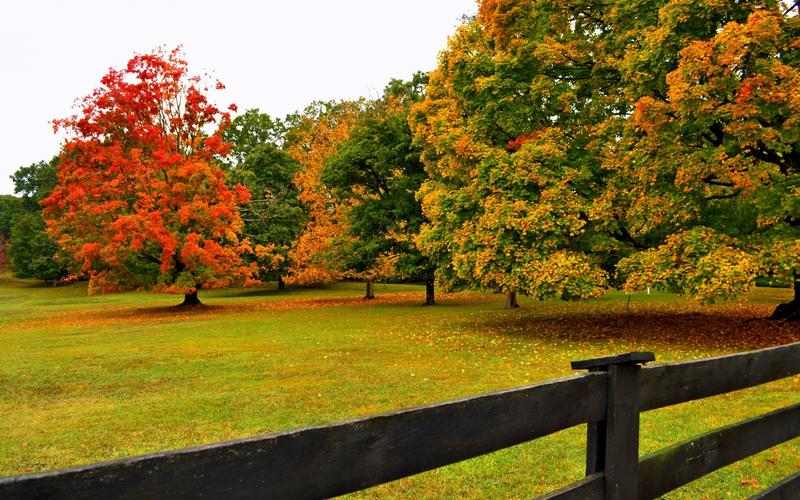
(612, 445)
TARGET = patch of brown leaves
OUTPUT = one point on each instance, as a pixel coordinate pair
(728, 328)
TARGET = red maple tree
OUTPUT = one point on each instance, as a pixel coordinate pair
(141, 202)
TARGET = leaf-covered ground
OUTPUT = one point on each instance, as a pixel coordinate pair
(84, 379)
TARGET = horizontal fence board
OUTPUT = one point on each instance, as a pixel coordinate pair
(665, 385)
(332, 460)
(788, 489)
(588, 488)
(677, 465)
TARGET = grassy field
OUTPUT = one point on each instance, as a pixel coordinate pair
(84, 379)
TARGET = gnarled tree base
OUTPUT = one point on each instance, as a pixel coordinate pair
(791, 310)
(191, 300)
(787, 312)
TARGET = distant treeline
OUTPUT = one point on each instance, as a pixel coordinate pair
(557, 150)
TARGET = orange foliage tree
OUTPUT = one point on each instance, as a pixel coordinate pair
(575, 145)
(507, 137)
(141, 202)
(315, 136)
(714, 163)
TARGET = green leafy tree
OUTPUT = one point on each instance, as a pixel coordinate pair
(249, 130)
(274, 216)
(377, 172)
(35, 182)
(10, 208)
(31, 251)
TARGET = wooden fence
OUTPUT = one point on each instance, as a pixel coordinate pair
(336, 459)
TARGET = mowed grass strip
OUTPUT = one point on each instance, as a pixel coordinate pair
(84, 379)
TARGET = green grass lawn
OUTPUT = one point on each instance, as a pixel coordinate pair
(84, 379)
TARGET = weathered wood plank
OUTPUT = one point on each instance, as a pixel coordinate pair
(612, 444)
(595, 447)
(665, 385)
(588, 488)
(788, 489)
(677, 465)
(629, 358)
(622, 432)
(332, 460)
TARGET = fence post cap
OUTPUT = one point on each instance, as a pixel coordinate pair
(629, 358)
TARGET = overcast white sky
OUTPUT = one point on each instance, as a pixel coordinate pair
(274, 55)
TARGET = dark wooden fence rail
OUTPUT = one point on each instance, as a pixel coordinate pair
(336, 459)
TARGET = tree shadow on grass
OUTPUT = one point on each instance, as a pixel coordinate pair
(743, 329)
(173, 313)
(289, 304)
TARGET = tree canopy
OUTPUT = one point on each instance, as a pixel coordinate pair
(717, 161)
(571, 146)
(314, 136)
(274, 216)
(506, 132)
(32, 252)
(377, 173)
(10, 208)
(140, 200)
(249, 130)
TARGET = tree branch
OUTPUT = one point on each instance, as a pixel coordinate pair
(712, 181)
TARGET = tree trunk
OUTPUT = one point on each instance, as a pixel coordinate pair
(511, 300)
(281, 283)
(796, 287)
(429, 296)
(190, 299)
(370, 291)
(790, 311)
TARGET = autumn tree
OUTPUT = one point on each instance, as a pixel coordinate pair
(140, 200)
(571, 145)
(713, 162)
(377, 171)
(508, 131)
(274, 216)
(312, 137)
